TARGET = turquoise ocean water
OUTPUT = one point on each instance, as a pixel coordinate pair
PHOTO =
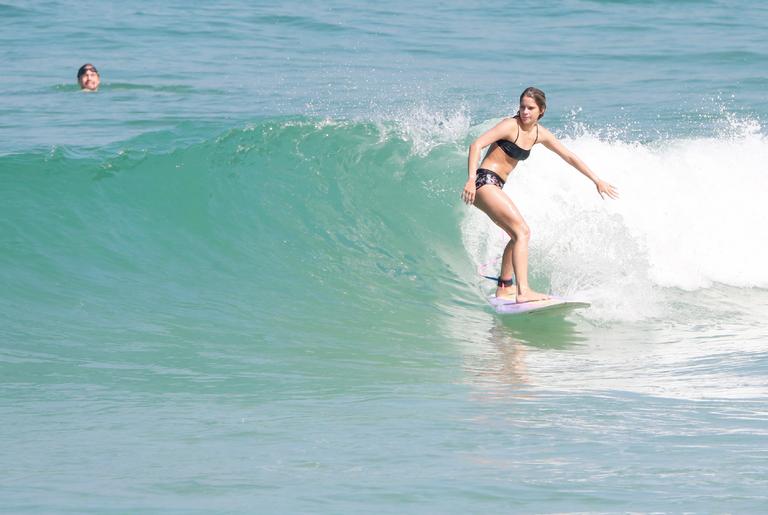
(239, 278)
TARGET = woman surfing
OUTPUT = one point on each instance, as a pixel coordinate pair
(510, 142)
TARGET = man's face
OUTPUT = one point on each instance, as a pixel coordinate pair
(90, 80)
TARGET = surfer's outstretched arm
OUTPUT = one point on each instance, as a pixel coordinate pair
(552, 143)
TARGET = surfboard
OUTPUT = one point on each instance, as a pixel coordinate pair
(552, 304)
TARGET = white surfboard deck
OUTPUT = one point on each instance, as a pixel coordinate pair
(553, 303)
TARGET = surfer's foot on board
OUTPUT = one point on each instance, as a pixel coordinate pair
(530, 296)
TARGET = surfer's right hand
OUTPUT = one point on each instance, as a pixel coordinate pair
(468, 195)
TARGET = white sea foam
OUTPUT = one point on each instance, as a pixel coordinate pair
(426, 128)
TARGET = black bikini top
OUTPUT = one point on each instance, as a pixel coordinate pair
(515, 152)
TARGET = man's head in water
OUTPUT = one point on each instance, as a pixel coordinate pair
(88, 77)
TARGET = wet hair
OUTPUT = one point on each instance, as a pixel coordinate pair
(538, 96)
(84, 68)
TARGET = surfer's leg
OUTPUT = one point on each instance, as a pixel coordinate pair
(507, 269)
(500, 208)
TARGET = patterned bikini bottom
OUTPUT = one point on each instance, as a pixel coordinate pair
(485, 176)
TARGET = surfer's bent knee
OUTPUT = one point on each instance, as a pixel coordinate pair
(522, 231)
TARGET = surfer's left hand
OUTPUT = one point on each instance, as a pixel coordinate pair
(603, 188)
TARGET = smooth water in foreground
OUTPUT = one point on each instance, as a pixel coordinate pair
(239, 277)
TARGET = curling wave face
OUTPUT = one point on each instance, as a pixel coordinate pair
(366, 216)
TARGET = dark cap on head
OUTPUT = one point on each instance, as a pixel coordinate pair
(84, 68)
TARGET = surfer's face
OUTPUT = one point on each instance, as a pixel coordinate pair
(529, 110)
(90, 80)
